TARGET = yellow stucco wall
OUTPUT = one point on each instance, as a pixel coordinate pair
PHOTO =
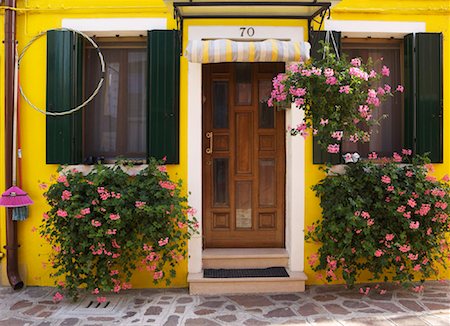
(38, 15)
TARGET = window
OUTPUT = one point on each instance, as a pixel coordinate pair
(115, 122)
(416, 117)
(136, 114)
(387, 137)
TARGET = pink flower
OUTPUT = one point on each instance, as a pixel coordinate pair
(365, 215)
(412, 203)
(413, 257)
(95, 291)
(331, 80)
(429, 231)
(445, 178)
(418, 288)
(370, 222)
(313, 259)
(66, 195)
(101, 299)
(404, 248)
(96, 223)
(371, 93)
(400, 88)
(328, 72)
(409, 174)
(57, 297)
(45, 216)
(429, 167)
(85, 211)
(407, 215)
(323, 122)
(344, 89)
(162, 168)
(382, 292)
(115, 244)
(114, 272)
(337, 135)
(389, 237)
(373, 156)
(61, 213)
(356, 62)
(167, 185)
(390, 188)
(385, 71)
(113, 231)
(397, 158)
(417, 267)
(378, 253)
(43, 186)
(163, 242)
(62, 179)
(157, 275)
(414, 225)
(114, 217)
(385, 179)
(406, 152)
(333, 148)
(372, 74)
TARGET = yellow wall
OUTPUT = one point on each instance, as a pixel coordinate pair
(39, 15)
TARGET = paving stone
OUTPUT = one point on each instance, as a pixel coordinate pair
(203, 312)
(388, 306)
(21, 304)
(13, 322)
(249, 301)
(325, 322)
(435, 321)
(406, 295)
(35, 310)
(227, 318)
(212, 304)
(166, 298)
(47, 302)
(408, 321)
(164, 302)
(153, 311)
(200, 322)
(255, 322)
(36, 292)
(285, 297)
(329, 288)
(336, 309)
(382, 297)
(45, 323)
(411, 305)
(436, 306)
(45, 314)
(172, 321)
(101, 318)
(324, 298)
(371, 311)
(185, 300)
(69, 322)
(309, 309)
(230, 307)
(280, 312)
(151, 320)
(129, 314)
(139, 301)
(350, 295)
(354, 304)
(180, 309)
(296, 322)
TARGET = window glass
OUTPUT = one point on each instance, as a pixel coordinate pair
(388, 136)
(116, 120)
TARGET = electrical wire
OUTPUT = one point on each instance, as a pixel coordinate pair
(94, 93)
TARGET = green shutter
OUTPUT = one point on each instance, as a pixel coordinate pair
(320, 155)
(163, 94)
(409, 92)
(429, 95)
(64, 91)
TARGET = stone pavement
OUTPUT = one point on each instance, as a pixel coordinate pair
(319, 305)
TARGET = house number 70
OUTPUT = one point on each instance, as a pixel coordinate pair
(247, 31)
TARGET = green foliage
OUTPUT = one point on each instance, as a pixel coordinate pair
(382, 217)
(104, 225)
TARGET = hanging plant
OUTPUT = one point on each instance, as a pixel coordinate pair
(104, 225)
(338, 96)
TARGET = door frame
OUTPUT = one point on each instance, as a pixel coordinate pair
(295, 148)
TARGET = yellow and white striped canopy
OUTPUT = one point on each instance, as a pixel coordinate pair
(223, 50)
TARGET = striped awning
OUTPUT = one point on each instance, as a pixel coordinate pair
(215, 51)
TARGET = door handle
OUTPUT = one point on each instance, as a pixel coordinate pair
(209, 135)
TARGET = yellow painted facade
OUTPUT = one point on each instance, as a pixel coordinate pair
(35, 16)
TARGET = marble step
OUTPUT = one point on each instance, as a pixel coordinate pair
(245, 258)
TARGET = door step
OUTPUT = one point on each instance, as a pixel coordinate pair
(198, 285)
(245, 258)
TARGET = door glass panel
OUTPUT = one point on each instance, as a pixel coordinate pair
(220, 104)
(266, 114)
(220, 182)
(267, 183)
(243, 205)
(243, 83)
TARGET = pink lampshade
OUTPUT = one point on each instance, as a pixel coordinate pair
(15, 197)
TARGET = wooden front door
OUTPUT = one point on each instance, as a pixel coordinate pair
(243, 157)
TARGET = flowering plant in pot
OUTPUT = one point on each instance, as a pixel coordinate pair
(104, 225)
(338, 97)
(381, 217)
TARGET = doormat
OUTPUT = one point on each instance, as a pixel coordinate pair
(246, 272)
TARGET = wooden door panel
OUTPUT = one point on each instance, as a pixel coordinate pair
(244, 175)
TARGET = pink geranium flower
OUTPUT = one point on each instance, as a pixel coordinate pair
(385, 179)
(114, 217)
(66, 195)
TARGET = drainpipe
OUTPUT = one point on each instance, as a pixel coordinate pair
(12, 266)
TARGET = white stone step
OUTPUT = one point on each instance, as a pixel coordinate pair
(198, 285)
(245, 258)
